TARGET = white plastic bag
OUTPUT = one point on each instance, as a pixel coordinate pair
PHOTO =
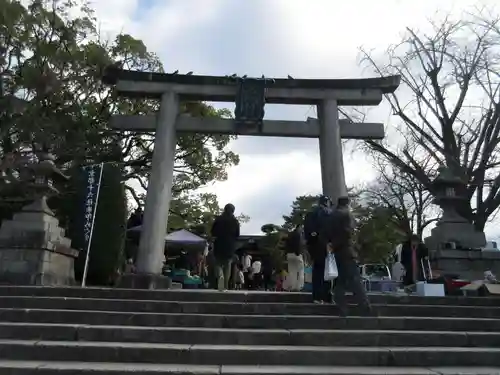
(331, 270)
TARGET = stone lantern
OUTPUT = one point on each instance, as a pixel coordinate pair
(454, 243)
(41, 185)
(33, 247)
(445, 187)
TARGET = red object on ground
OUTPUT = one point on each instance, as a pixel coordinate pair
(453, 284)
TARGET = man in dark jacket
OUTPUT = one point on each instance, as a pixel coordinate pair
(135, 219)
(315, 232)
(225, 230)
(340, 234)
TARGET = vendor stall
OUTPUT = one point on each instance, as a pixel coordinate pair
(184, 255)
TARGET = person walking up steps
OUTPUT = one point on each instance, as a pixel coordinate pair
(340, 234)
(315, 230)
(225, 230)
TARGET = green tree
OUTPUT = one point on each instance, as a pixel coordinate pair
(52, 61)
(300, 207)
(377, 232)
(196, 213)
(270, 228)
(273, 243)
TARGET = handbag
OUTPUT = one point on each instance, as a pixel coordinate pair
(331, 270)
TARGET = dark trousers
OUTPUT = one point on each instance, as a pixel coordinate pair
(248, 280)
(349, 279)
(320, 287)
(267, 281)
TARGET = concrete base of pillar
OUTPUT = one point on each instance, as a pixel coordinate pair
(144, 281)
(469, 265)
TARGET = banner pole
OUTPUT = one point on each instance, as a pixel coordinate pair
(87, 255)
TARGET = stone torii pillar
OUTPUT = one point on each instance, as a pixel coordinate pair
(330, 151)
(154, 226)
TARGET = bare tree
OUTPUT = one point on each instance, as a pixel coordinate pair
(408, 201)
(449, 109)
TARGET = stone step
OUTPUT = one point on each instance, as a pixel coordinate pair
(232, 296)
(189, 307)
(100, 368)
(35, 350)
(262, 337)
(91, 317)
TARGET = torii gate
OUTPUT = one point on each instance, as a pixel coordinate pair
(170, 89)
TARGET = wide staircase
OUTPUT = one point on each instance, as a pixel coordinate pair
(76, 331)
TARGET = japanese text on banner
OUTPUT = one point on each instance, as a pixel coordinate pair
(92, 174)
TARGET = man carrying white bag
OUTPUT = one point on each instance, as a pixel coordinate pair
(341, 249)
(331, 271)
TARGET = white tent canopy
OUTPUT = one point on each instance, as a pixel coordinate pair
(178, 237)
(184, 237)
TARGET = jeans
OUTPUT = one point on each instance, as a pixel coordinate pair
(320, 287)
(223, 273)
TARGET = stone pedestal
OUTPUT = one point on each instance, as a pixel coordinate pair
(452, 229)
(455, 248)
(34, 249)
(469, 265)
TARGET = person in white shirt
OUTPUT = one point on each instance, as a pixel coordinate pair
(256, 267)
(254, 275)
(295, 260)
(247, 262)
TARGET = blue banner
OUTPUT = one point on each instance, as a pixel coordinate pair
(92, 179)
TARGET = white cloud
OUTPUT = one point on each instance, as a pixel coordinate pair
(306, 38)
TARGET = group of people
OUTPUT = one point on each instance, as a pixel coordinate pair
(325, 229)
(330, 229)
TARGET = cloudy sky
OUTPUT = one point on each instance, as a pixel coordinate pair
(303, 38)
